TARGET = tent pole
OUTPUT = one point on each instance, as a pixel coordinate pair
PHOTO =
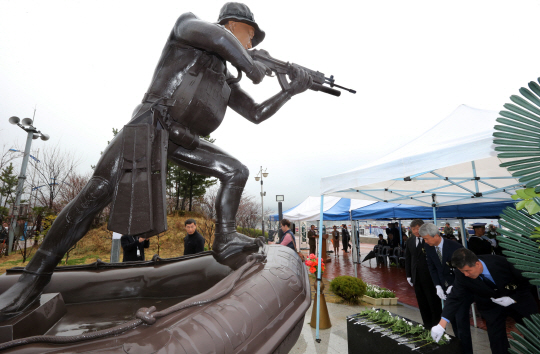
(464, 234)
(317, 338)
(435, 216)
(354, 246)
(400, 235)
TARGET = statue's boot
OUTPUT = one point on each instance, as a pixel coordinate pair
(231, 248)
(22, 294)
(68, 228)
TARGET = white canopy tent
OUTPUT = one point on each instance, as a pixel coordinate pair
(335, 208)
(452, 163)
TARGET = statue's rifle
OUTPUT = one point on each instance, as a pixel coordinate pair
(282, 69)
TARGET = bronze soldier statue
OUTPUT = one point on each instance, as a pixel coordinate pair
(187, 98)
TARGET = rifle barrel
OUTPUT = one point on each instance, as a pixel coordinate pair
(344, 88)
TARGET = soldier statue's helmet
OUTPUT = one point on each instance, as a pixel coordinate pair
(241, 13)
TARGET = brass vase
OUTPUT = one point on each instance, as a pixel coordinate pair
(324, 317)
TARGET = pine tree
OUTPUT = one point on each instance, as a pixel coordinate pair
(185, 185)
(8, 184)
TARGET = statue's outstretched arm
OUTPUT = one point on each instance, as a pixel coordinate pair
(242, 103)
(214, 38)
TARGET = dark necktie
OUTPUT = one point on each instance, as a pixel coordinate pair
(439, 253)
(418, 243)
(488, 282)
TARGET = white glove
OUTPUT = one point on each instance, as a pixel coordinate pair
(449, 290)
(503, 301)
(410, 281)
(437, 332)
(440, 292)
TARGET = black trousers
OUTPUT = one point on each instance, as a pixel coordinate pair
(312, 247)
(429, 303)
(496, 315)
(345, 241)
(461, 323)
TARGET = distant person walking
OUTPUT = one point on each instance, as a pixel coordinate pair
(193, 242)
(448, 230)
(345, 238)
(312, 238)
(335, 240)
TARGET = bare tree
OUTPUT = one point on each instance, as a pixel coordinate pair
(249, 213)
(206, 206)
(71, 188)
(6, 155)
(53, 172)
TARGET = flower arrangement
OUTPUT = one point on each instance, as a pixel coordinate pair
(313, 263)
(377, 292)
(412, 333)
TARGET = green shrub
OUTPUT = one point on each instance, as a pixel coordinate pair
(349, 288)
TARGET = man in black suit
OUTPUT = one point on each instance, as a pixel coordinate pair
(393, 242)
(382, 242)
(395, 232)
(418, 276)
(345, 238)
(439, 254)
(133, 247)
(499, 289)
(193, 242)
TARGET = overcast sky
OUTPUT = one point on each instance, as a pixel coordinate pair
(87, 64)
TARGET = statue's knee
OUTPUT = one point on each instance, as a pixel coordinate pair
(236, 175)
(241, 174)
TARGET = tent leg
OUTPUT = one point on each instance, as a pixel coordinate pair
(317, 337)
(354, 246)
(464, 234)
(435, 216)
(400, 235)
(474, 316)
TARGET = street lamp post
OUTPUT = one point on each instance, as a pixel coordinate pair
(260, 176)
(33, 133)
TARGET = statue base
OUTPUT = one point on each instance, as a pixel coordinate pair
(36, 320)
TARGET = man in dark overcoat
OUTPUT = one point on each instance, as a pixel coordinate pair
(419, 277)
(499, 290)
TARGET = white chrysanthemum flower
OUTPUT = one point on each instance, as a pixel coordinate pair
(447, 337)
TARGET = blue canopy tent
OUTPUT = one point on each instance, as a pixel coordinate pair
(382, 211)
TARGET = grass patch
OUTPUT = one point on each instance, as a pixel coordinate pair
(97, 244)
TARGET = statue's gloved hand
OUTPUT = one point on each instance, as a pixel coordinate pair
(257, 74)
(181, 135)
(300, 81)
